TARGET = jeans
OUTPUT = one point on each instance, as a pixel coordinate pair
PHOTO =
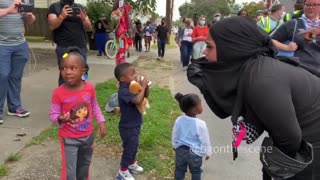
(161, 47)
(185, 158)
(12, 62)
(101, 39)
(186, 49)
(60, 51)
(311, 172)
(130, 144)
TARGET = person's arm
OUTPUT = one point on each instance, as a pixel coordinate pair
(29, 18)
(204, 138)
(12, 9)
(270, 99)
(292, 46)
(173, 138)
(55, 109)
(85, 20)
(96, 111)
(282, 34)
(55, 21)
(139, 97)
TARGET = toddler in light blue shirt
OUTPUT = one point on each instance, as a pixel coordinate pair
(190, 138)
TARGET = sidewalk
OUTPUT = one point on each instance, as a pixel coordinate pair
(36, 96)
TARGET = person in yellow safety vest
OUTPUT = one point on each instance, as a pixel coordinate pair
(270, 23)
(297, 13)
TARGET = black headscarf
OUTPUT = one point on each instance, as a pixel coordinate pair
(238, 40)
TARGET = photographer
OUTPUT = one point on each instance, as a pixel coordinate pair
(14, 53)
(69, 22)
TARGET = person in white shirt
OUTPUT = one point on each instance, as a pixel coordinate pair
(186, 43)
(148, 36)
(190, 138)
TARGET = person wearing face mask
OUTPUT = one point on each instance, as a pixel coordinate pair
(186, 43)
(270, 23)
(199, 35)
(307, 52)
(69, 22)
(163, 38)
(297, 13)
(259, 15)
(216, 17)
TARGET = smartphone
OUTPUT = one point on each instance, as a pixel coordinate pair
(25, 8)
(76, 11)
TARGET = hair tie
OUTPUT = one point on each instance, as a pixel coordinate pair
(65, 55)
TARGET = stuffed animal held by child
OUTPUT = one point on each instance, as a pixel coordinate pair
(134, 89)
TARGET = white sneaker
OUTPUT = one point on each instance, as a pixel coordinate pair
(125, 175)
(135, 168)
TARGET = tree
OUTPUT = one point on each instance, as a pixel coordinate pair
(206, 7)
(253, 7)
(141, 6)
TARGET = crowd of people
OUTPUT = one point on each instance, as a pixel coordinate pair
(236, 63)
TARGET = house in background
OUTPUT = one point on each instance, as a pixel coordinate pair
(47, 3)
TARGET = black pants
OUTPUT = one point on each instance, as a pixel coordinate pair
(138, 43)
(130, 144)
(312, 172)
(161, 47)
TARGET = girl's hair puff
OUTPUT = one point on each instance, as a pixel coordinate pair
(187, 102)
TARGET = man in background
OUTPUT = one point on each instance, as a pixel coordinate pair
(69, 22)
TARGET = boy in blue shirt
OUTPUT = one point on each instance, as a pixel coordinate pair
(130, 119)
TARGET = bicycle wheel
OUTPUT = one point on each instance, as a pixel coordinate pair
(111, 49)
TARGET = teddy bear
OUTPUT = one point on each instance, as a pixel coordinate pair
(135, 88)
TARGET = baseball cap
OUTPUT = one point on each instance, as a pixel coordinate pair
(113, 103)
(217, 14)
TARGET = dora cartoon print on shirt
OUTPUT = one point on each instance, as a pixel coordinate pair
(79, 114)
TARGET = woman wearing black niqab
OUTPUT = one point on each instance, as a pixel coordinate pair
(240, 77)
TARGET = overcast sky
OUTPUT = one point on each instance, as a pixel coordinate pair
(161, 7)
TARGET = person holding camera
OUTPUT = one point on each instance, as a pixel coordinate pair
(68, 21)
(14, 53)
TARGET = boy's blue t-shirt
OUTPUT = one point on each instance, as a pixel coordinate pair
(130, 115)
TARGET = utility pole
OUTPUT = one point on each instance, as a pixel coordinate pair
(169, 14)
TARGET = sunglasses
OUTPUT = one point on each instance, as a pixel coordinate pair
(311, 5)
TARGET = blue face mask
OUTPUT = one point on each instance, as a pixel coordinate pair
(202, 23)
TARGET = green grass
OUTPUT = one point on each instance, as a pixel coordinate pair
(13, 158)
(172, 44)
(155, 151)
(3, 170)
(35, 38)
(48, 134)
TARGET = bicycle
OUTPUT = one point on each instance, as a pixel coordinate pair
(112, 46)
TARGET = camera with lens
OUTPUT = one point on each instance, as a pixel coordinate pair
(76, 10)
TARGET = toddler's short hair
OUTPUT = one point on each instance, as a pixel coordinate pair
(120, 69)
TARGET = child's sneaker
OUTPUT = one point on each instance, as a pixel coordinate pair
(135, 168)
(19, 112)
(125, 175)
(1, 119)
